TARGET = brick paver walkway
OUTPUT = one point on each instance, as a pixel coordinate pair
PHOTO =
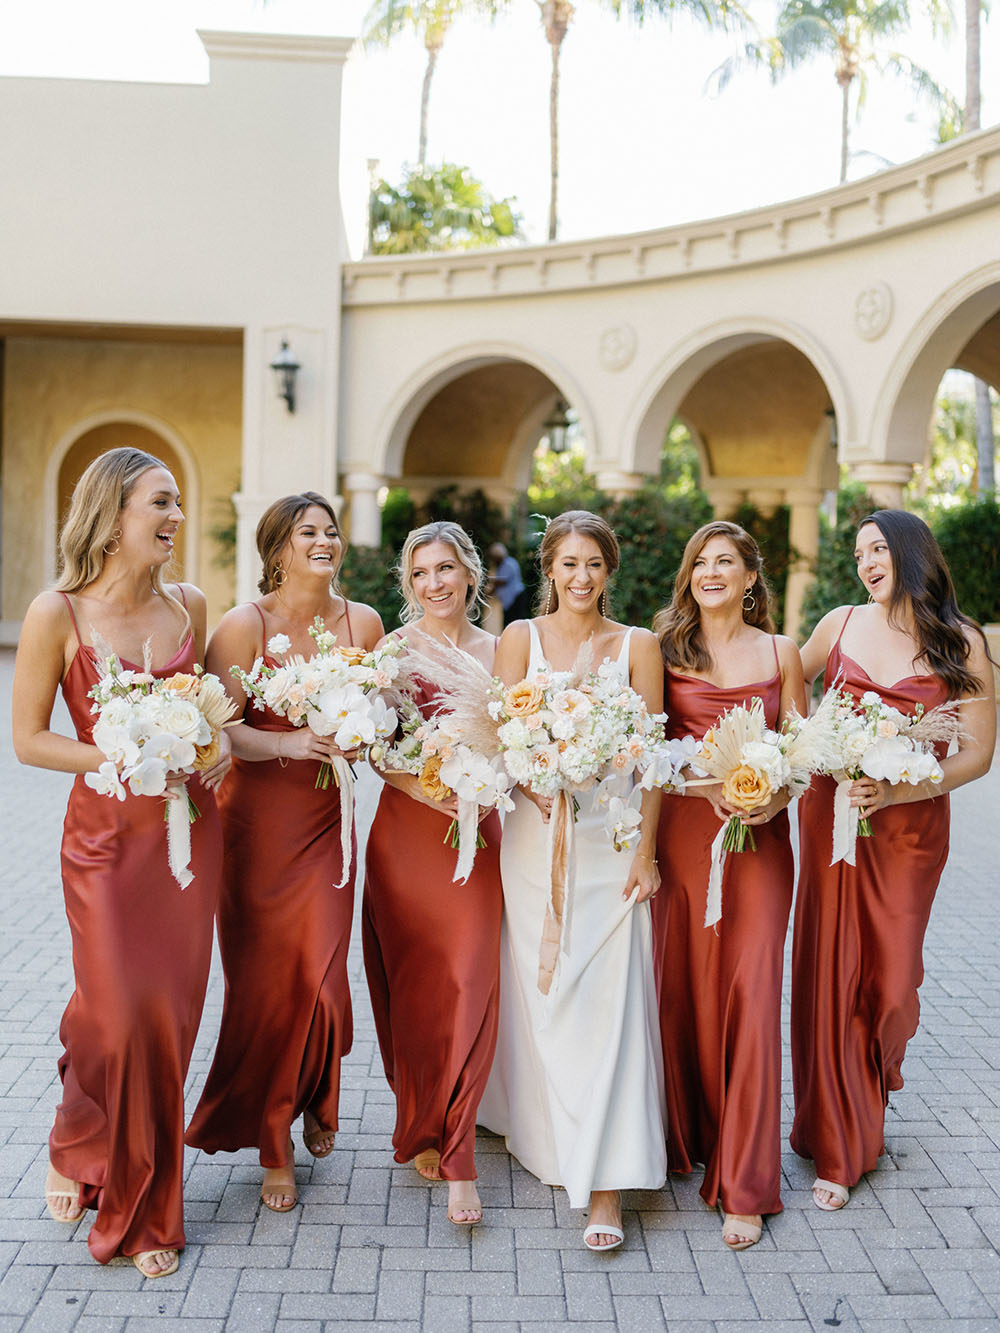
(916, 1249)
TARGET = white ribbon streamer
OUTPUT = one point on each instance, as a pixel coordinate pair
(713, 903)
(468, 834)
(561, 856)
(845, 824)
(179, 838)
(344, 775)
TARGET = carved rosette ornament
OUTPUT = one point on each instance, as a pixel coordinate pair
(617, 347)
(873, 310)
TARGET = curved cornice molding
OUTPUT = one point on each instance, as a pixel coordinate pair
(274, 46)
(961, 176)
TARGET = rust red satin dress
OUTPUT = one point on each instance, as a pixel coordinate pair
(283, 935)
(857, 954)
(432, 955)
(720, 994)
(141, 953)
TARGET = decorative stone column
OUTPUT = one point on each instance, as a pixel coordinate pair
(766, 499)
(619, 483)
(883, 481)
(803, 540)
(725, 499)
(365, 516)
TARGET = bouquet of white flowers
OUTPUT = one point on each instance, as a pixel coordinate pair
(753, 763)
(151, 727)
(341, 691)
(874, 739)
(431, 749)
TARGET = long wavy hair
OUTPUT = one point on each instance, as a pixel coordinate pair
(585, 523)
(93, 521)
(678, 625)
(276, 525)
(455, 536)
(921, 585)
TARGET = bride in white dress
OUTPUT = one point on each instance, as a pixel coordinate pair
(577, 1084)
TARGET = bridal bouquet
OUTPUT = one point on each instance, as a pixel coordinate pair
(754, 763)
(337, 692)
(149, 728)
(432, 750)
(874, 739)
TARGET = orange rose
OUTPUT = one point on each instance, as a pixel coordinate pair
(352, 655)
(747, 789)
(430, 781)
(523, 698)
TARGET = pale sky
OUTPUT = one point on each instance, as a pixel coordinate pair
(642, 143)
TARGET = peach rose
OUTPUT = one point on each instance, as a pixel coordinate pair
(430, 781)
(523, 698)
(352, 654)
(205, 756)
(188, 687)
(746, 789)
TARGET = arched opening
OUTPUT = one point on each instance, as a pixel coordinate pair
(113, 435)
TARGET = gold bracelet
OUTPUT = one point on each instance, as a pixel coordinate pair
(282, 761)
(646, 857)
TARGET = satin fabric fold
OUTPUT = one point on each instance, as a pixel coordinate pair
(719, 988)
(141, 954)
(284, 931)
(857, 958)
(432, 958)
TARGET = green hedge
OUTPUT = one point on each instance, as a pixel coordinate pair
(969, 536)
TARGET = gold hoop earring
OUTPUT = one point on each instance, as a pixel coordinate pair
(871, 599)
(752, 603)
(116, 538)
(278, 575)
(549, 606)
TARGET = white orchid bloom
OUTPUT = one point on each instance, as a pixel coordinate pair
(106, 781)
(147, 778)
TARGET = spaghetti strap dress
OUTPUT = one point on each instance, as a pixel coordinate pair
(720, 990)
(142, 947)
(857, 952)
(283, 930)
(577, 1084)
(432, 958)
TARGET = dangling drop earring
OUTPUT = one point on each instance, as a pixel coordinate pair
(116, 538)
(871, 599)
(548, 608)
(278, 575)
(747, 607)
(602, 603)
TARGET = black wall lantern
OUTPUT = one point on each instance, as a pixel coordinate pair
(285, 368)
(556, 426)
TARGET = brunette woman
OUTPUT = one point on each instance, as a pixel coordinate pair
(141, 947)
(577, 1085)
(432, 947)
(720, 990)
(283, 926)
(857, 957)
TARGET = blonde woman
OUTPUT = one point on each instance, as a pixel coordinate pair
(283, 928)
(141, 947)
(432, 947)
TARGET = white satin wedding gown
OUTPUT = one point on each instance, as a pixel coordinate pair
(577, 1083)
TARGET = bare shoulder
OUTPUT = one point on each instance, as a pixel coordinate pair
(516, 633)
(788, 650)
(49, 611)
(643, 643)
(188, 593)
(365, 621)
(240, 625)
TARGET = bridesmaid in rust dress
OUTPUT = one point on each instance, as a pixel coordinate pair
(857, 958)
(141, 946)
(283, 926)
(432, 947)
(720, 990)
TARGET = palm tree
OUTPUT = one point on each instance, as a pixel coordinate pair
(430, 20)
(850, 32)
(557, 15)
